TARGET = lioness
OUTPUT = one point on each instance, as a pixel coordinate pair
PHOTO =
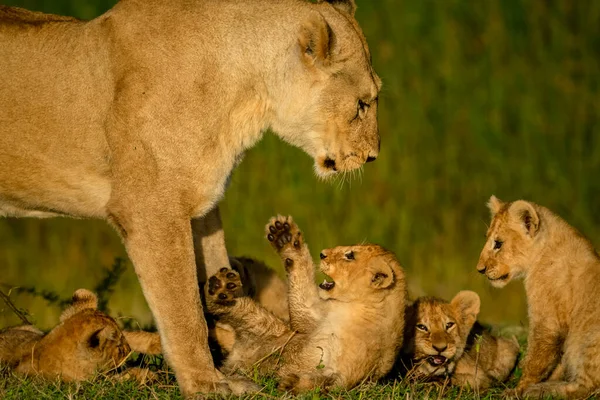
(140, 115)
(347, 330)
(444, 340)
(561, 271)
(85, 342)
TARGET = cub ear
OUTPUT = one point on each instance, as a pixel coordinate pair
(315, 41)
(347, 6)
(382, 275)
(82, 299)
(466, 303)
(524, 212)
(495, 205)
(100, 337)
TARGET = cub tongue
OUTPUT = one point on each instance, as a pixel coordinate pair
(438, 360)
(327, 285)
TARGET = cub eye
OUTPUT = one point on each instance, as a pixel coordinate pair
(349, 255)
(449, 325)
(422, 327)
(497, 244)
(361, 109)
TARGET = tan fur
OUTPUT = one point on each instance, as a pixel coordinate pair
(85, 342)
(561, 271)
(140, 115)
(472, 356)
(339, 334)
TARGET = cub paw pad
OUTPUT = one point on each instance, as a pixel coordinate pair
(282, 232)
(224, 286)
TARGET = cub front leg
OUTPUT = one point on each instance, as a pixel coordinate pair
(543, 354)
(304, 301)
(225, 299)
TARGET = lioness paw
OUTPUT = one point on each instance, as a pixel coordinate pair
(285, 237)
(223, 287)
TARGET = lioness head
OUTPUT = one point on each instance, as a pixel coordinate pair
(437, 332)
(360, 272)
(329, 107)
(510, 241)
(86, 341)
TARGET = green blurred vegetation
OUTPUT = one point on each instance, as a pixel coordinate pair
(481, 97)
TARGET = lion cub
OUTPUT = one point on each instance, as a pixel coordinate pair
(561, 271)
(85, 342)
(340, 333)
(444, 340)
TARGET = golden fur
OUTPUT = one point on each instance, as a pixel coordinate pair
(85, 342)
(140, 115)
(345, 331)
(444, 340)
(561, 271)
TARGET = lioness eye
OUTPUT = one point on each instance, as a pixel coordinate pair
(349, 255)
(361, 109)
(497, 244)
(449, 325)
(422, 327)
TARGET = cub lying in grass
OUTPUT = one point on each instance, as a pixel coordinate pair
(85, 342)
(561, 271)
(339, 334)
(444, 340)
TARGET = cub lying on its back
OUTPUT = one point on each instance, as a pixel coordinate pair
(339, 334)
(561, 271)
(85, 342)
(444, 340)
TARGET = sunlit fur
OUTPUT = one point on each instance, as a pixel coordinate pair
(475, 357)
(561, 272)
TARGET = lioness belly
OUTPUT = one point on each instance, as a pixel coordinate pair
(54, 97)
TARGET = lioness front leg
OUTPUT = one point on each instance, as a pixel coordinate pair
(304, 300)
(160, 246)
(209, 244)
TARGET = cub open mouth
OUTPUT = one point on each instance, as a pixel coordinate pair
(327, 285)
(436, 361)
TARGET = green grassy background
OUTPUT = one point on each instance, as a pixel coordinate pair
(479, 98)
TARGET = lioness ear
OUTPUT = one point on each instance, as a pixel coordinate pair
(382, 274)
(466, 304)
(495, 205)
(82, 299)
(347, 6)
(525, 213)
(315, 41)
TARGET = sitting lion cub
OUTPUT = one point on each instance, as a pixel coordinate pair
(444, 340)
(85, 342)
(339, 334)
(561, 271)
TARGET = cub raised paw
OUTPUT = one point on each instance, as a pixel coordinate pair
(222, 289)
(285, 237)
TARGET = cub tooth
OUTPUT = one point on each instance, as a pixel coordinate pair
(324, 281)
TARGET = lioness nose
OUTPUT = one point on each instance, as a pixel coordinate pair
(440, 346)
(371, 158)
(482, 270)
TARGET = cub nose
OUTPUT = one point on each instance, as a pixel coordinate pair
(481, 270)
(440, 347)
(322, 256)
